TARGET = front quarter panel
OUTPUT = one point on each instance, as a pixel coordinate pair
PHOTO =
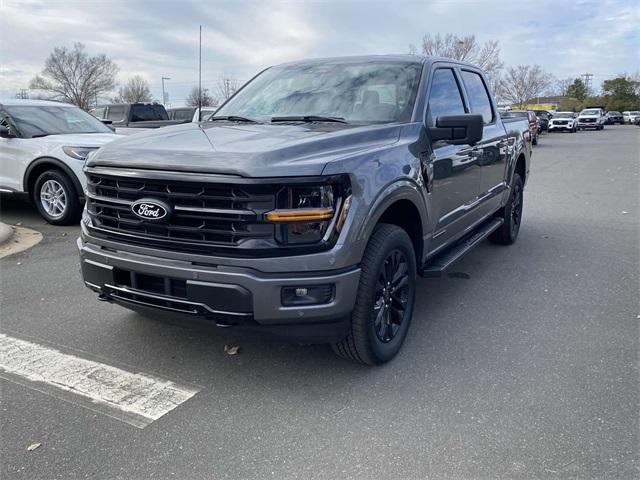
(379, 178)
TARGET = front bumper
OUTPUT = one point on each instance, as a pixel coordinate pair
(226, 295)
(560, 127)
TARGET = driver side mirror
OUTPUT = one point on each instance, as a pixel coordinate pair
(5, 132)
(465, 129)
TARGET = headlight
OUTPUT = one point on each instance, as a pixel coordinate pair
(306, 214)
(79, 153)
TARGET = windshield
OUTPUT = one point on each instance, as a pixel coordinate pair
(374, 92)
(54, 120)
(563, 115)
(634, 113)
(614, 113)
(590, 112)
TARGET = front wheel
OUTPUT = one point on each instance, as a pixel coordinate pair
(56, 198)
(511, 215)
(384, 302)
(535, 140)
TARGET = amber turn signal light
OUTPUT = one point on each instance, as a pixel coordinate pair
(300, 215)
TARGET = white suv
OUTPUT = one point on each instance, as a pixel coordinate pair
(630, 117)
(591, 118)
(43, 147)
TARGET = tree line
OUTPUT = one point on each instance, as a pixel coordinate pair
(73, 75)
(523, 84)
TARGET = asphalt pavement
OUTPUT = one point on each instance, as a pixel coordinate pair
(521, 364)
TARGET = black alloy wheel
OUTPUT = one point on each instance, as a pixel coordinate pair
(392, 296)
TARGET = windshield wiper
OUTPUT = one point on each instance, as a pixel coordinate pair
(233, 118)
(309, 119)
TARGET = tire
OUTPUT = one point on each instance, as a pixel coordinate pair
(67, 209)
(507, 234)
(376, 339)
(535, 140)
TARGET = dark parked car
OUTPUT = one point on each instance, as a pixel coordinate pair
(184, 114)
(543, 120)
(309, 203)
(611, 118)
(125, 117)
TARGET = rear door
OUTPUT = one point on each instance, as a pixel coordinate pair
(491, 152)
(454, 172)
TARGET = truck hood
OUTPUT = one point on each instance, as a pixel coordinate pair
(247, 150)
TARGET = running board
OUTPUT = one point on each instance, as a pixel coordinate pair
(437, 265)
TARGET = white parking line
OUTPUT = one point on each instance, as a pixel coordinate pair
(139, 397)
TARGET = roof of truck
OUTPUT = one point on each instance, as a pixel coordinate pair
(408, 58)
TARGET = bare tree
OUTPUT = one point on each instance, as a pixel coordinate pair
(522, 83)
(226, 87)
(207, 99)
(467, 48)
(135, 90)
(74, 76)
(560, 86)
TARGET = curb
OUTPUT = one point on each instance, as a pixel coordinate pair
(6, 232)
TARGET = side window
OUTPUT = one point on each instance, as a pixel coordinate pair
(97, 112)
(116, 113)
(445, 98)
(478, 96)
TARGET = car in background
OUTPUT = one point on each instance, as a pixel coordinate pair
(637, 121)
(563, 121)
(534, 124)
(129, 118)
(185, 114)
(543, 119)
(613, 117)
(43, 148)
(630, 117)
(591, 118)
(207, 112)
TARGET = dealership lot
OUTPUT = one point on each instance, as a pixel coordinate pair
(523, 364)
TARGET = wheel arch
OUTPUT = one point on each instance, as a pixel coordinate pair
(41, 165)
(403, 205)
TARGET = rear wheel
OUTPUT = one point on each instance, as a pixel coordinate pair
(511, 214)
(56, 198)
(384, 302)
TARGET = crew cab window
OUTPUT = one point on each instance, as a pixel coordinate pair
(148, 113)
(445, 98)
(478, 96)
(116, 113)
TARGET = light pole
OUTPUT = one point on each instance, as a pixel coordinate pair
(164, 96)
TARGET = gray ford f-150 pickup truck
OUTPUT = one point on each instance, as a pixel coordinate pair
(306, 207)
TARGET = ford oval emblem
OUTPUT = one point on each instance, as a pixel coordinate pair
(150, 209)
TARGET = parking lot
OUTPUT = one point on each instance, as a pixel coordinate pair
(521, 363)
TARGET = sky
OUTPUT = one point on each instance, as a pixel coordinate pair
(160, 38)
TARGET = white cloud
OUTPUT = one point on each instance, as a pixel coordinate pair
(160, 38)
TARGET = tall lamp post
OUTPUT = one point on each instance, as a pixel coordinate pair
(164, 95)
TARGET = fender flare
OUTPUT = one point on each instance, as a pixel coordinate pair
(54, 162)
(403, 189)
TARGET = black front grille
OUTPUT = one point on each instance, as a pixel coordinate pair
(587, 120)
(561, 122)
(205, 216)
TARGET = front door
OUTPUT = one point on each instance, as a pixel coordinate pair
(454, 171)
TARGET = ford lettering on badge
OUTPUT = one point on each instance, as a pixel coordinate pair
(149, 209)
